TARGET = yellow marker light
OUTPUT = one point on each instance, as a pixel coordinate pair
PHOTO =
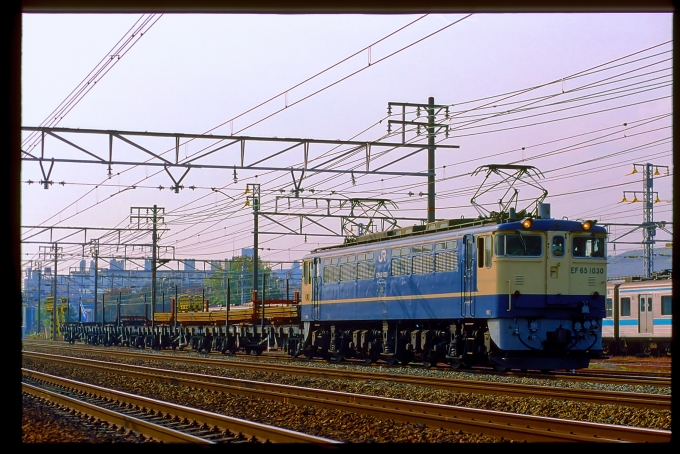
(587, 225)
(527, 223)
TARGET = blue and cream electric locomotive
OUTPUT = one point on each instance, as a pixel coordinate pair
(512, 293)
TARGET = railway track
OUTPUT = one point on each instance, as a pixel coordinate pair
(154, 419)
(639, 400)
(600, 376)
(512, 426)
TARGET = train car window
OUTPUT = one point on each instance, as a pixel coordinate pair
(343, 259)
(334, 261)
(516, 244)
(609, 307)
(369, 255)
(396, 252)
(666, 305)
(558, 246)
(351, 258)
(406, 250)
(327, 261)
(625, 307)
(305, 273)
(427, 248)
(417, 249)
(588, 246)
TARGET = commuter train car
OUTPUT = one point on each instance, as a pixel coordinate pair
(513, 294)
(639, 317)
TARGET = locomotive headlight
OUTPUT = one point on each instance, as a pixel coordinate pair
(527, 223)
(587, 225)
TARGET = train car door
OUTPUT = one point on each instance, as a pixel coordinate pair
(468, 276)
(557, 266)
(645, 315)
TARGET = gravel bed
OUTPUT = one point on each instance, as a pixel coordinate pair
(45, 423)
(353, 428)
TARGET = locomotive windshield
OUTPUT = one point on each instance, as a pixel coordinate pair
(588, 246)
(516, 244)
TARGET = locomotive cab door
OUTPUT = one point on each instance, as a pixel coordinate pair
(645, 315)
(468, 277)
(557, 266)
(316, 273)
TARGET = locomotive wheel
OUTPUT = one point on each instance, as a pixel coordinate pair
(405, 358)
(455, 363)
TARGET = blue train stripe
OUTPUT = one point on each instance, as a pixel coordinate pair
(657, 322)
(645, 290)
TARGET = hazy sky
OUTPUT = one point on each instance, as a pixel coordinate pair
(582, 97)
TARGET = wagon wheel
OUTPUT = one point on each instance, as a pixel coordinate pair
(309, 353)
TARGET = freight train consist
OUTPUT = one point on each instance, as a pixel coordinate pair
(639, 317)
(512, 290)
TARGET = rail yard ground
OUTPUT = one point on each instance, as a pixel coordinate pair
(48, 425)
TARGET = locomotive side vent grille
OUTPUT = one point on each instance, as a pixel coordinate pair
(591, 280)
(519, 280)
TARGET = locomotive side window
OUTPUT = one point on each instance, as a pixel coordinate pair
(330, 273)
(423, 264)
(558, 246)
(610, 308)
(666, 305)
(446, 261)
(348, 272)
(305, 273)
(401, 266)
(588, 246)
(487, 252)
(625, 307)
(366, 269)
(516, 244)
(484, 252)
(480, 252)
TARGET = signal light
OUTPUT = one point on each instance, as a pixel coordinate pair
(527, 223)
(587, 225)
(596, 294)
(516, 293)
